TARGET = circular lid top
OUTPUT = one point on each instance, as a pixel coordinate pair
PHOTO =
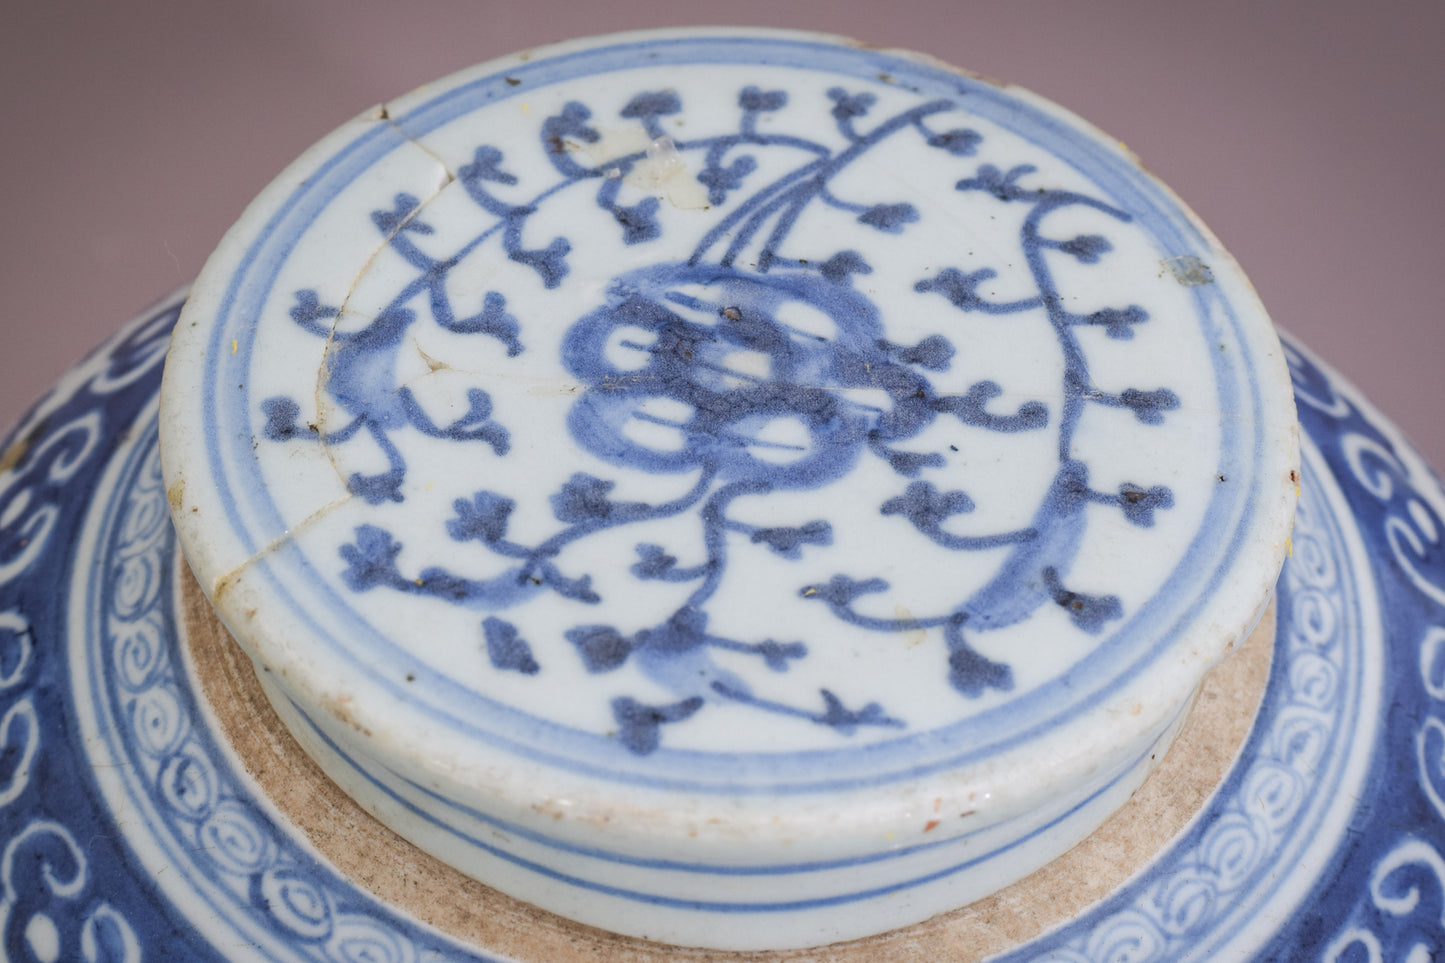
(733, 414)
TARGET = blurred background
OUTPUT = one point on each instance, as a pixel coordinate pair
(1310, 136)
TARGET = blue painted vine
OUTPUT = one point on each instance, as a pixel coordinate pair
(686, 340)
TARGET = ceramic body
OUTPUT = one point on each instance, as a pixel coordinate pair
(132, 831)
(730, 488)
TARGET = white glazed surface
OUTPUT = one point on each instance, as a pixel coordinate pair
(1011, 495)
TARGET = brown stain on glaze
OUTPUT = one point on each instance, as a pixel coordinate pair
(15, 453)
(419, 885)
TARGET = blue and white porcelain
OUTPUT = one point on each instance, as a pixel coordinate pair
(676, 477)
(728, 488)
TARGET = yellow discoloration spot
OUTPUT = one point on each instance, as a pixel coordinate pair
(14, 453)
(913, 636)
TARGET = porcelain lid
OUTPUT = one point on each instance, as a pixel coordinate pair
(745, 419)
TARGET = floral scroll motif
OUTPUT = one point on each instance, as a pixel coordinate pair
(788, 420)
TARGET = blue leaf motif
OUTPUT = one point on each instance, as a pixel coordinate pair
(1139, 504)
(652, 104)
(640, 723)
(1149, 406)
(961, 289)
(308, 310)
(508, 650)
(719, 180)
(993, 181)
(843, 264)
(653, 562)
(960, 142)
(926, 507)
(401, 217)
(788, 542)
(755, 99)
(492, 320)
(571, 122)
(571, 588)
(1089, 612)
(602, 647)
(375, 489)
(973, 674)
(548, 261)
(889, 218)
(971, 409)
(371, 561)
(281, 416)
(910, 463)
(1088, 248)
(639, 222)
(933, 353)
(583, 498)
(484, 518)
(847, 106)
(486, 166)
(847, 720)
(841, 590)
(777, 654)
(1117, 323)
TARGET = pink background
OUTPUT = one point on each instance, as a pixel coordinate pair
(1309, 135)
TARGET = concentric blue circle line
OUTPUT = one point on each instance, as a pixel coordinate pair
(707, 905)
